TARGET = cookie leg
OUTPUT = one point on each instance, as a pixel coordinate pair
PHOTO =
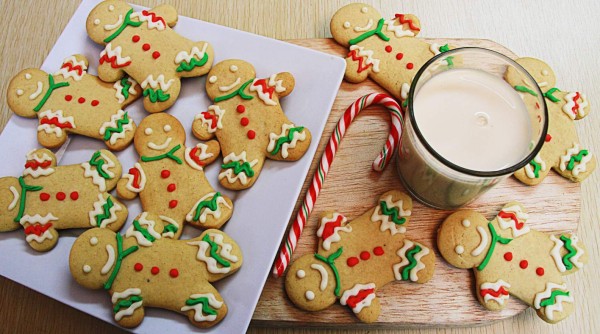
(204, 307)
(195, 61)
(41, 237)
(554, 304)
(366, 307)
(576, 163)
(50, 138)
(111, 68)
(240, 171)
(288, 142)
(493, 295)
(160, 93)
(211, 211)
(118, 132)
(128, 307)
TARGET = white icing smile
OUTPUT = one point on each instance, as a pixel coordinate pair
(15, 194)
(110, 261)
(114, 25)
(161, 146)
(37, 93)
(484, 242)
(324, 275)
(366, 27)
(233, 85)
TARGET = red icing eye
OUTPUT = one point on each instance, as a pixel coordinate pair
(540, 271)
(508, 256)
(95, 103)
(378, 251)
(240, 108)
(251, 134)
(399, 55)
(146, 47)
(155, 54)
(135, 38)
(171, 187)
(524, 264)
(138, 267)
(352, 261)
(81, 100)
(173, 273)
(74, 195)
(172, 203)
(154, 270)
(388, 48)
(244, 121)
(44, 196)
(410, 66)
(365, 256)
(60, 196)
(68, 98)
(165, 174)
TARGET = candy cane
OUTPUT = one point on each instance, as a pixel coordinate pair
(286, 250)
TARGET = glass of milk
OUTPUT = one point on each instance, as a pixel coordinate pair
(466, 128)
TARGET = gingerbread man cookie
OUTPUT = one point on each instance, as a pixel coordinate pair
(47, 197)
(562, 150)
(142, 269)
(385, 50)
(249, 122)
(509, 258)
(169, 177)
(357, 258)
(73, 101)
(143, 45)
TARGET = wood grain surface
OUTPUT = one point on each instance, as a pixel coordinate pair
(563, 33)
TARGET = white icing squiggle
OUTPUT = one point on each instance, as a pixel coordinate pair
(49, 128)
(113, 124)
(37, 219)
(581, 166)
(198, 315)
(218, 113)
(484, 242)
(187, 57)
(202, 155)
(402, 254)
(39, 238)
(35, 173)
(66, 73)
(211, 263)
(110, 261)
(549, 310)
(399, 29)
(510, 223)
(529, 169)
(130, 178)
(386, 223)
(109, 52)
(157, 24)
(231, 177)
(324, 275)
(119, 89)
(172, 222)
(146, 223)
(125, 294)
(98, 210)
(273, 138)
(335, 237)
(362, 52)
(496, 288)
(158, 83)
(98, 180)
(568, 107)
(207, 211)
(354, 291)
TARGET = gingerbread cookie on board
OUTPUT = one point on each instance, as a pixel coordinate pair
(509, 258)
(48, 197)
(143, 45)
(562, 150)
(249, 122)
(142, 269)
(357, 258)
(73, 101)
(170, 180)
(384, 50)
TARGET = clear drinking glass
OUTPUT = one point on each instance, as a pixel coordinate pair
(431, 177)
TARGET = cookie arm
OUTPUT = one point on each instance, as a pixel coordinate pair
(203, 154)
(168, 14)
(493, 295)
(568, 253)
(332, 228)
(287, 82)
(355, 72)
(574, 104)
(132, 183)
(218, 253)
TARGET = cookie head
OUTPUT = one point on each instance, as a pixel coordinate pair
(352, 21)
(93, 257)
(105, 19)
(539, 70)
(310, 283)
(158, 134)
(26, 90)
(228, 76)
(464, 238)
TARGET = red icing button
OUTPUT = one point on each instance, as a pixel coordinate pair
(173, 273)
(388, 48)
(171, 187)
(154, 270)
(540, 271)
(44, 196)
(548, 138)
(244, 121)
(165, 174)
(251, 134)
(60, 196)
(138, 267)
(399, 55)
(523, 264)
(365, 255)
(240, 108)
(135, 38)
(74, 195)
(508, 256)
(352, 261)
(155, 54)
(68, 98)
(81, 100)
(95, 103)
(378, 251)
(146, 47)
(172, 203)
(410, 66)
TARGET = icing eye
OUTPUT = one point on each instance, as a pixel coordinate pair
(19, 92)
(347, 24)
(364, 10)
(96, 21)
(111, 8)
(167, 128)
(27, 76)
(545, 72)
(93, 241)
(466, 223)
(233, 68)
(148, 131)
(459, 249)
(309, 295)
(212, 79)
(300, 273)
(87, 268)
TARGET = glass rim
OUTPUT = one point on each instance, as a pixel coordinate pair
(447, 163)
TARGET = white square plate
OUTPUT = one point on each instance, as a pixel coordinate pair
(261, 213)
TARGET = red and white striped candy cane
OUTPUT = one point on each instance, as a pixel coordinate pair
(286, 250)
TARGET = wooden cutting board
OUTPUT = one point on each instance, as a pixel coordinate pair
(352, 187)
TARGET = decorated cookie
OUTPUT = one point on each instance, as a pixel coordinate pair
(48, 197)
(143, 45)
(357, 258)
(384, 50)
(143, 269)
(509, 258)
(249, 122)
(72, 101)
(562, 150)
(169, 177)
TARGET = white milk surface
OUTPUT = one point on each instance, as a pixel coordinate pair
(473, 119)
